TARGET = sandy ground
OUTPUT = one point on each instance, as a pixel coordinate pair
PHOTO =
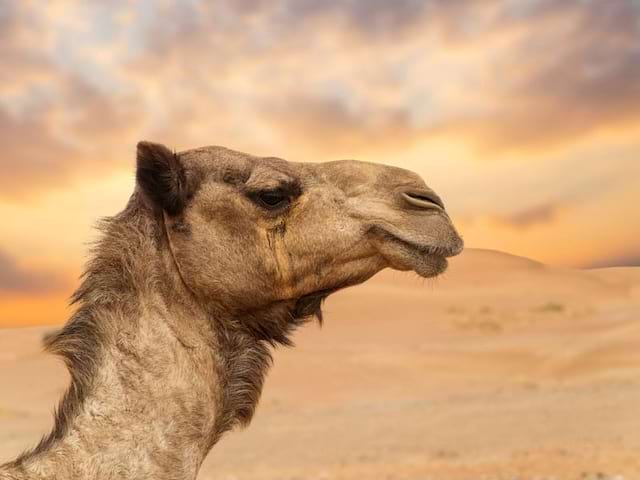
(502, 369)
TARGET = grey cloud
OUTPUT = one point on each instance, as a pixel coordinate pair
(329, 126)
(539, 214)
(583, 76)
(624, 259)
(368, 16)
(14, 279)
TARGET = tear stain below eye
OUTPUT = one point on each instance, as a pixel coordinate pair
(277, 231)
(281, 258)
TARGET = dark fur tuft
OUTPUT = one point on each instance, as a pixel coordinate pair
(246, 349)
(311, 305)
(162, 177)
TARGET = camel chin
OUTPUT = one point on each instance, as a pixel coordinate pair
(429, 266)
(426, 257)
(420, 259)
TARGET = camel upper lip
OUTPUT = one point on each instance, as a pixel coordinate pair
(443, 251)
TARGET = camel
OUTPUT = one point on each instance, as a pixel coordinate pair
(218, 257)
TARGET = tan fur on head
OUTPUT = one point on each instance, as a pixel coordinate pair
(218, 257)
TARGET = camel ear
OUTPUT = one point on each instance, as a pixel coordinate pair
(161, 176)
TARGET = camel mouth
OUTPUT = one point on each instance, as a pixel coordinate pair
(438, 251)
(426, 259)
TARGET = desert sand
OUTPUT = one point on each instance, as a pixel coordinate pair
(503, 368)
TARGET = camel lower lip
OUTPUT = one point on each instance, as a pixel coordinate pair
(427, 261)
(436, 252)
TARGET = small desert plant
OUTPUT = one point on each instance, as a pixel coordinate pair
(550, 307)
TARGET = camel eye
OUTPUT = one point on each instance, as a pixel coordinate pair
(273, 199)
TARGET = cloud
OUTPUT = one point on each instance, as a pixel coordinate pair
(327, 126)
(573, 68)
(538, 214)
(370, 17)
(30, 154)
(85, 133)
(16, 280)
(55, 124)
(307, 79)
(626, 259)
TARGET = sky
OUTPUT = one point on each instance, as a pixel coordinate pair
(524, 115)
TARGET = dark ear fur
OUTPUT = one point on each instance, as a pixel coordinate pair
(161, 176)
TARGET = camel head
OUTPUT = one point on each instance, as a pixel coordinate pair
(251, 231)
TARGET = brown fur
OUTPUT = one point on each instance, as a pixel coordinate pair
(196, 280)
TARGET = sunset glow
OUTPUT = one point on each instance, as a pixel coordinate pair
(524, 115)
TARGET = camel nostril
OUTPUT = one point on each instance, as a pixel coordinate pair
(423, 199)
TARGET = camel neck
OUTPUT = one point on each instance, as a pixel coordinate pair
(143, 401)
(149, 413)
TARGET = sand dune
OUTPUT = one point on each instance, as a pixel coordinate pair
(503, 368)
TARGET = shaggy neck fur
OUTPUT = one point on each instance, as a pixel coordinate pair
(157, 377)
